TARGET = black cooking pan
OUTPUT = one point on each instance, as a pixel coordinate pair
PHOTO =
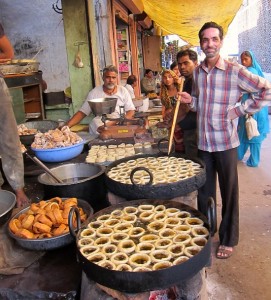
(135, 282)
(159, 191)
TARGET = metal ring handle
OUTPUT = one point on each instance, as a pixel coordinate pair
(141, 169)
(211, 213)
(70, 222)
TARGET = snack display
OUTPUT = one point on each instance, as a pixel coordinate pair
(46, 219)
(56, 138)
(132, 239)
(105, 154)
(24, 130)
(164, 170)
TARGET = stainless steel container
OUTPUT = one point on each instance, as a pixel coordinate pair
(81, 180)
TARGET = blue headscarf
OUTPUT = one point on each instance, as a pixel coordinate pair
(255, 64)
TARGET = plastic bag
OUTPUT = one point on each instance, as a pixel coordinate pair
(251, 127)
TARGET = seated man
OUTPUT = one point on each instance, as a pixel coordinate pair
(109, 89)
(130, 85)
(148, 84)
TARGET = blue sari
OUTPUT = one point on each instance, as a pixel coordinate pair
(262, 122)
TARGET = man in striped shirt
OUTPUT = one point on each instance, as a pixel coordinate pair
(215, 96)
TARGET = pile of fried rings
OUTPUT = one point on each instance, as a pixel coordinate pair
(45, 219)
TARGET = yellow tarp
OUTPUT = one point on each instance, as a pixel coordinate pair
(186, 17)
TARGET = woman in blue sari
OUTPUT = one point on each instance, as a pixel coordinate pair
(249, 61)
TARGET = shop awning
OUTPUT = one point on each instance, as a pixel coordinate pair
(186, 17)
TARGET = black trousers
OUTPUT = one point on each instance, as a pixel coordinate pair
(223, 164)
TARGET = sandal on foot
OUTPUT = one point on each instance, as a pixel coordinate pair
(224, 252)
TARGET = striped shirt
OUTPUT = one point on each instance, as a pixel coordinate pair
(215, 97)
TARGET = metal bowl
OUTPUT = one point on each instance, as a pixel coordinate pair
(53, 242)
(101, 106)
(7, 203)
(42, 126)
(59, 154)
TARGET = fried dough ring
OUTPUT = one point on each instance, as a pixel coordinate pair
(96, 258)
(103, 218)
(163, 243)
(60, 230)
(117, 213)
(129, 218)
(104, 231)
(15, 225)
(24, 233)
(139, 260)
(130, 210)
(155, 226)
(95, 224)
(102, 241)
(160, 217)
(145, 247)
(124, 267)
(86, 241)
(119, 258)
(126, 246)
(109, 250)
(34, 207)
(136, 232)
(192, 251)
(43, 236)
(161, 265)
(45, 220)
(151, 238)
(199, 241)
(193, 222)
(182, 238)
(51, 216)
(146, 215)
(182, 229)
(27, 222)
(200, 231)
(180, 260)
(160, 255)
(119, 236)
(123, 227)
(88, 232)
(176, 250)
(107, 264)
(172, 211)
(171, 222)
(112, 222)
(145, 207)
(88, 250)
(166, 233)
(57, 200)
(42, 228)
(58, 216)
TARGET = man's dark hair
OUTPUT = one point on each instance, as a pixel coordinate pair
(211, 25)
(173, 65)
(147, 71)
(188, 52)
(131, 79)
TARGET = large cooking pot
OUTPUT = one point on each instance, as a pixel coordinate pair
(81, 180)
(159, 191)
(135, 282)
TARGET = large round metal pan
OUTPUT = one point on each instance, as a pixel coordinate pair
(134, 282)
(164, 191)
(49, 243)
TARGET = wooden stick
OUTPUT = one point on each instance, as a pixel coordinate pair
(175, 117)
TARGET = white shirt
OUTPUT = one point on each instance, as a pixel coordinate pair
(124, 99)
(130, 89)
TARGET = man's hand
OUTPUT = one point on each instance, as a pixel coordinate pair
(184, 97)
(22, 199)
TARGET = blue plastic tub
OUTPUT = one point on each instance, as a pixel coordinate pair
(59, 154)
